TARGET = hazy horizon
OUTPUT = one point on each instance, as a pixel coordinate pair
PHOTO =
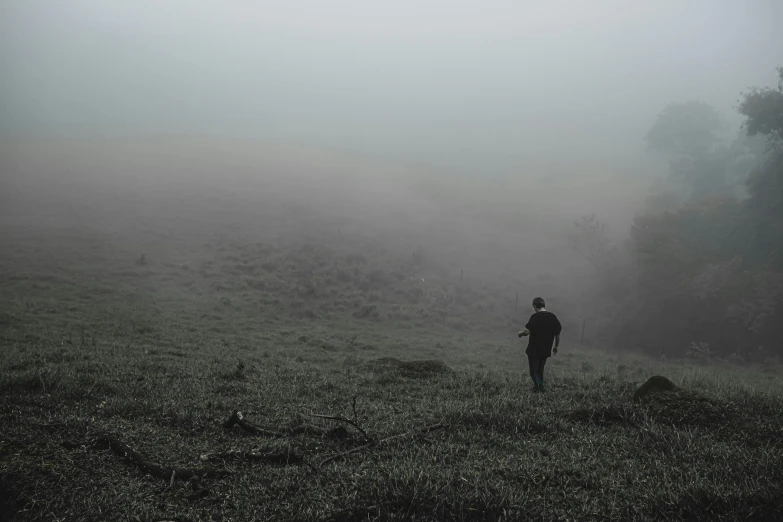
(501, 88)
(480, 130)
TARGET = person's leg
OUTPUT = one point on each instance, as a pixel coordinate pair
(540, 370)
(534, 362)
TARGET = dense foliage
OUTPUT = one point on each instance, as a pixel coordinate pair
(708, 272)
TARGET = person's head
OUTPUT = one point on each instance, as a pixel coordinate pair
(538, 304)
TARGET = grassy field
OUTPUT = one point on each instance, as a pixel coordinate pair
(126, 346)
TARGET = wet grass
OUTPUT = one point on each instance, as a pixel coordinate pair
(583, 450)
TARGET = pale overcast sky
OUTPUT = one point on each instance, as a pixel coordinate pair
(441, 81)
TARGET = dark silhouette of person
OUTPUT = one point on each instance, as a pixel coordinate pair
(544, 329)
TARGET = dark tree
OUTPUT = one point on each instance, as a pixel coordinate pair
(763, 110)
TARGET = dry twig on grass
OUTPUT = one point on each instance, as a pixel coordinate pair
(340, 418)
(338, 432)
(132, 457)
(420, 431)
(353, 422)
(193, 476)
(237, 419)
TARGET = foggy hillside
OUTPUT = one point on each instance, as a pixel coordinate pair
(474, 140)
(457, 237)
(278, 260)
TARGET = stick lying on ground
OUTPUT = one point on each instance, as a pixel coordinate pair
(237, 419)
(354, 422)
(131, 457)
(420, 431)
(348, 421)
(121, 449)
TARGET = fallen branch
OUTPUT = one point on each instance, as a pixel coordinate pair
(134, 458)
(340, 418)
(338, 432)
(237, 419)
(344, 454)
(421, 431)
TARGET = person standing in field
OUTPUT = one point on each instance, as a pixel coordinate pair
(544, 329)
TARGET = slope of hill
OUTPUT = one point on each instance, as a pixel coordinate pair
(145, 262)
(136, 325)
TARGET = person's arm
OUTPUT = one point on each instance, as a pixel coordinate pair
(558, 329)
(528, 326)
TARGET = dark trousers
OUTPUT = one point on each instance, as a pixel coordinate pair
(537, 369)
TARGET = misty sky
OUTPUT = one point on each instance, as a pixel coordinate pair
(476, 84)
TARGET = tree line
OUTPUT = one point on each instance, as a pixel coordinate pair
(702, 272)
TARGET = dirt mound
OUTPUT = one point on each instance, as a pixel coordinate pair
(413, 368)
(655, 384)
(683, 408)
(756, 421)
(723, 419)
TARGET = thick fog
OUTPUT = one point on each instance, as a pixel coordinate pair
(473, 121)
(478, 87)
